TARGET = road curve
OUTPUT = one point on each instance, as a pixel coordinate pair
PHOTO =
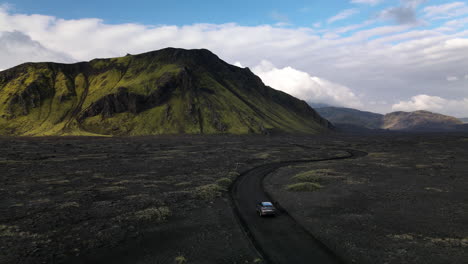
(279, 239)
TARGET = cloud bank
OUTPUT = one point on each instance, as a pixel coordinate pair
(445, 11)
(309, 88)
(17, 48)
(457, 107)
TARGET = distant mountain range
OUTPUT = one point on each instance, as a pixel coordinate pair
(419, 120)
(352, 119)
(170, 91)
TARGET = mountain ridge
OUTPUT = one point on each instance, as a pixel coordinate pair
(169, 91)
(419, 120)
(353, 119)
(350, 116)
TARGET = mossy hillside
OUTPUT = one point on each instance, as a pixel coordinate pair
(65, 95)
(170, 91)
(28, 98)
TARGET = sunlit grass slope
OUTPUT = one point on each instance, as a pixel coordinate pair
(171, 91)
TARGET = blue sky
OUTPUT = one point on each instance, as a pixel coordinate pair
(376, 55)
(178, 12)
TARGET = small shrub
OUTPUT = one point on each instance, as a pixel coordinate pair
(112, 189)
(325, 171)
(379, 155)
(422, 166)
(308, 176)
(402, 237)
(180, 260)
(137, 196)
(233, 174)
(304, 187)
(264, 155)
(41, 201)
(121, 182)
(69, 204)
(183, 184)
(208, 192)
(159, 214)
(8, 231)
(14, 231)
(313, 175)
(60, 182)
(433, 189)
(224, 182)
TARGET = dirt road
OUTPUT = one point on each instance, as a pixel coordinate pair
(279, 239)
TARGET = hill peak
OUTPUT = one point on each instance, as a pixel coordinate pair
(189, 56)
(419, 120)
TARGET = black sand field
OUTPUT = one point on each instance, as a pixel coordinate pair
(405, 202)
(166, 199)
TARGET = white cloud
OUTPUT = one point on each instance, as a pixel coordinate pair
(403, 14)
(452, 78)
(466, 77)
(456, 24)
(238, 64)
(412, 3)
(437, 104)
(306, 87)
(18, 48)
(368, 2)
(445, 11)
(343, 15)
(349, 28)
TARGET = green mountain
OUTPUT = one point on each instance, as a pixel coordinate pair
(419, 120)
(170, 91)
(341, 116)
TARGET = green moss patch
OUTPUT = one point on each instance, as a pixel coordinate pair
(209, 191)
(180, 260)
(153, 214)
(304, 187)
(314, 175)
(224, 182)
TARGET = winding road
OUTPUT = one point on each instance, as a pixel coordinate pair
(279, 239)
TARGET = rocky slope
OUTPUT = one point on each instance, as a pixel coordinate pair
(341, 116)
(170, 91)
(419, 120)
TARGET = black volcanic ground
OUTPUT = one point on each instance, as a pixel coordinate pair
(158, 199)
